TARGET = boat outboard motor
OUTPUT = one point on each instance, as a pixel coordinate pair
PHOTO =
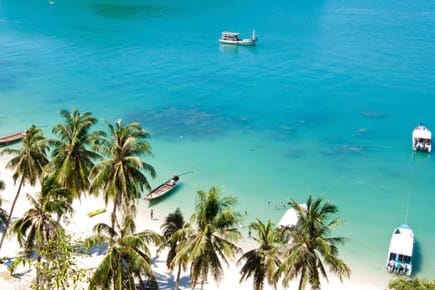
(390, 266)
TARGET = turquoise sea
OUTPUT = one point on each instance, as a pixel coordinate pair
(324, 105)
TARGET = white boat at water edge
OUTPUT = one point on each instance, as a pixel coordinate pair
(290, 217)
(233, 38)
(399, 259)
(421, 139)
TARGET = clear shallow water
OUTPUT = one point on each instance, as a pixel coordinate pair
(325, 104)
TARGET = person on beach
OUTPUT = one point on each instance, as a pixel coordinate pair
(152, 214)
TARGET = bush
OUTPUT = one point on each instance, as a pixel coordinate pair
(411, 284)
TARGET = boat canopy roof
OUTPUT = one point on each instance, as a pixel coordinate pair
(230, 33)
(402, 241)
(290, 218)
(422, 132)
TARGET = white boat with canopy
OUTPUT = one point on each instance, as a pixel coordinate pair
(234, 39)
(421, 139)
(290, 217)
(399, 258)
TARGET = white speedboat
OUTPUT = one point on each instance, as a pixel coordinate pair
(421, 139)
(399, 258)
(234, 39)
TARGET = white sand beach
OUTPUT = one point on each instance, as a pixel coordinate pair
(81, 226)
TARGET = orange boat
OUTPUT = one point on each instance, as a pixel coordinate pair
(12, 138)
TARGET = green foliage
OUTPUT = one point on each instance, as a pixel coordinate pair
(56, 267)
(312, 249)
(128, 257)
(411, 284)
(175, 231)
(28, 164)
(37, 226)
(72, 154)
(213, 240)
(261, 263)
(121, 177)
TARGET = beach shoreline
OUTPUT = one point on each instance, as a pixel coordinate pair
(80, 226)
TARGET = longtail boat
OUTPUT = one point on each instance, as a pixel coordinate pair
(165, 187)
(12, 138)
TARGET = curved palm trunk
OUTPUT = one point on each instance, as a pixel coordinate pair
(177, 281)
(301, 281)
(113, 217)
(11, 211)
(38, 272)
(141, 282)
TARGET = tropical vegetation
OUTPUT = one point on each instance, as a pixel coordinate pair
(175, 231)
(28, 164)
(263, 262)
(36, 228)
(213, 238)
(127, 259)
(122, 176)
(71, 153)
(411, 284)
(312, 251)
(112, 164)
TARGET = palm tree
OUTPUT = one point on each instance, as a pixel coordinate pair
(37, 225)
(175, 231)
(213, 239)
(127, 258)
(28, 163)
(311, 248)
(72, 155)
(59, 197)
(262, 263)
(122, 176)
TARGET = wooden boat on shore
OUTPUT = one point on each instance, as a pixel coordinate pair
(12, 138)
(163, 188)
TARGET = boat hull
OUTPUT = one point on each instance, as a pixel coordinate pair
(243, 42)
(399, 258)
(422, 139)
(163, 189)
(8, 140)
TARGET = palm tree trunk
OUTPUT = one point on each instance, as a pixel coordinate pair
(301, 281)
(11, 211)
(177, 281)
(113, 217)
(141, 282)
(38, 272)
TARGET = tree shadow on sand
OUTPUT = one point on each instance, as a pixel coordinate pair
(99, 249)
(166, 281)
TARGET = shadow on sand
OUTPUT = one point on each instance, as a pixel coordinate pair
(167, 281)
